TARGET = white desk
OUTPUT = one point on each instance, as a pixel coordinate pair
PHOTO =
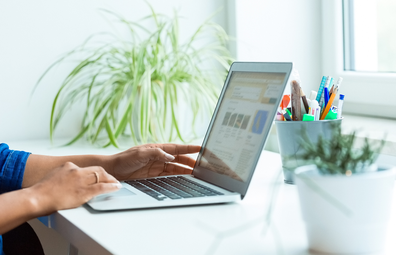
(238, 228)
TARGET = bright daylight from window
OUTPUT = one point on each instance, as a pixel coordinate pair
(370, 35)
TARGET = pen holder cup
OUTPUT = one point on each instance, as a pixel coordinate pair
(289, 140)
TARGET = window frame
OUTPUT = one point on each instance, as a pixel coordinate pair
(366, 93)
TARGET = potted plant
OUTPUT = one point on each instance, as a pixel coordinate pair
(345, 198)
(135, 87)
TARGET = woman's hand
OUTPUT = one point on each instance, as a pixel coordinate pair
(70, 186)
(151, 160)
(67, 186)
(141, 161)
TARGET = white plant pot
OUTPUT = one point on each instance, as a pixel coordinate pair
(345, 214)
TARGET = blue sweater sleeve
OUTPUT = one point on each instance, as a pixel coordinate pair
(1, 246)
(12, 168)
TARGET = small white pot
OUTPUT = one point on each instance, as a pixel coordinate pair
(345, 214)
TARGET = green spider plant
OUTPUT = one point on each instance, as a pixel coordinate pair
(134, 87)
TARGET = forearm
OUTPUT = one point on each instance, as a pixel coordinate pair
(37, 166)
(19, 207)
(66, 187)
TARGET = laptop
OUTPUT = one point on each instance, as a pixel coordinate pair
(230, 150)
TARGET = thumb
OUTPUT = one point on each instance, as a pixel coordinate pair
(101, 188)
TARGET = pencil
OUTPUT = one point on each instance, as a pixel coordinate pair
(331, 90)
(337, 85)
(328, 106)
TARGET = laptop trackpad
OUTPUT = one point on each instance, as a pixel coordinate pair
(120, 193)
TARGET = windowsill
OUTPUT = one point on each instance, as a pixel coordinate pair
(375, 129)
(371, 127)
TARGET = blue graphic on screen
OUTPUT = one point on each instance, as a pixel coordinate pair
(259, 122)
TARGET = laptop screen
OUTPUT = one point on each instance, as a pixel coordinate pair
(239, 128)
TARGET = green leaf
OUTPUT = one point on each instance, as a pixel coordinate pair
(111, 135)
(131, 86)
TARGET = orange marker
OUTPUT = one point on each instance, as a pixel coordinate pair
(285, 102)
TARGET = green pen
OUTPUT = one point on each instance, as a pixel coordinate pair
(286, 115)
(288, 112)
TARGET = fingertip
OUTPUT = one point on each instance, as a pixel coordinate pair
(169, 157)
(103, 188)
(114, 186)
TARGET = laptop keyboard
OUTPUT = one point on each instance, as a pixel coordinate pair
(176, 187)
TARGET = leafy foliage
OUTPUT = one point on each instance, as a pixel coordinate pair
(133, 88)
(340, 155)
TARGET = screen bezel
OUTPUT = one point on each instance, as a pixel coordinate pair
(224, 181)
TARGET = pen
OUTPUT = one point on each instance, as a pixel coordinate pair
(289, 112)
(285, 101)
(326, 96)
(314, 109)
(340, 104)
(286, 115)
(338, 84)
(327, 109)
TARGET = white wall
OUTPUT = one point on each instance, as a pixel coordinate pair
(282, 30)
(33, 34)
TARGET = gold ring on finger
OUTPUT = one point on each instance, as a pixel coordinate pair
(97, 177)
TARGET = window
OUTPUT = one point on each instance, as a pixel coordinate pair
(359, 44)
(369, 35)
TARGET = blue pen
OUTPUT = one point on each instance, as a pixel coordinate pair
(330, 85)
(326, 96)
(339, 108)
(320, 90)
